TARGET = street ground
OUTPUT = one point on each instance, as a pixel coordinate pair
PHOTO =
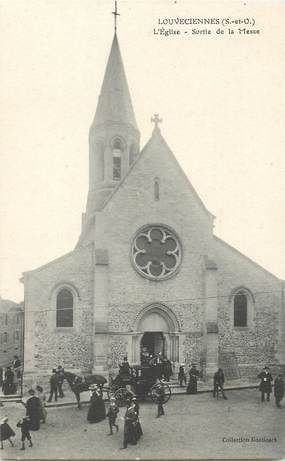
(195, 426)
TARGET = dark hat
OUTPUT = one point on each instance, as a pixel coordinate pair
(266, 368)
(31, 392)
(54, 370)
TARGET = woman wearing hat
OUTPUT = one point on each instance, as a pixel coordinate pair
(6, 432)
(265, 386)
(97, 411)
(193, 375)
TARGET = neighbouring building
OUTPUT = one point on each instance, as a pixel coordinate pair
(147, 273)
(11, 331)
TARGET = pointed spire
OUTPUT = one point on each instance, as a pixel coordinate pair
(114, 104)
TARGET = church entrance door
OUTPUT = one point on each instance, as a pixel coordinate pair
(152, 343)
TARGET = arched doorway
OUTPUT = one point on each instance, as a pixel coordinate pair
(152, 343)
(157, 331)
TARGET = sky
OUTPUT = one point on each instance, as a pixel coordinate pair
(221, 98)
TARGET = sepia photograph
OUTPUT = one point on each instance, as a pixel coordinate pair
(142, 249)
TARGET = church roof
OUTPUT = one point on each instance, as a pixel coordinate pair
(114, 102)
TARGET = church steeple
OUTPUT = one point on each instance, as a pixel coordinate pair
(114, 102)
(114, 136)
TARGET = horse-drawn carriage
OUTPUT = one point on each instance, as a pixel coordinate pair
(139, 381)
(142, 382)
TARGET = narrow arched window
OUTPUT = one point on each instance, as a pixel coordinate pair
(117, 159)
(64, 308)
(156, 189)
(240, 309)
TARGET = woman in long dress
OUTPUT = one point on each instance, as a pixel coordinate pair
(97, 411)
(42, 396)
(192, 385)
(33, 410)
(9, 386)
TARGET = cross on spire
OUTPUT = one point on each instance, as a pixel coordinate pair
(115, 13)
(156, 120)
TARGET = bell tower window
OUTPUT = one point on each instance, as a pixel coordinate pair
(117, 160)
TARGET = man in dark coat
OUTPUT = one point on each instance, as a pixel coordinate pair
(278, 390)
(60, 373)
(182, 375)
(265, 386)
(167, 368)
(53, 385)
(219, 380)
(124, 368)
(33, 410)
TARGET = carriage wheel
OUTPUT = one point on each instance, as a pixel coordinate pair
(156, 389)
(122, 395)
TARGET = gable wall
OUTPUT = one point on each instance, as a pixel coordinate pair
(45, 345)
(260, 343)
(133, 206)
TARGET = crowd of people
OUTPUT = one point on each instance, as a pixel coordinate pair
(36, 412)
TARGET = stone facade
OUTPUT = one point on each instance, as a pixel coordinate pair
(189, 313)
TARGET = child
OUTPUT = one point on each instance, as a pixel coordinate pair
(24, 424)
(112, 414)
(6, 432)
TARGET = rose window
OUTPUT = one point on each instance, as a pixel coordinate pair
(156, 252)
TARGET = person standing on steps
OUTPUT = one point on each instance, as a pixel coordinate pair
(53, 382)
(182, 375)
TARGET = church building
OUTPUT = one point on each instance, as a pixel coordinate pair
(147, 274)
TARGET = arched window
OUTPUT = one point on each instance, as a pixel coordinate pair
(240, 309)
(64, 308)
(5, 338)
(117, 159)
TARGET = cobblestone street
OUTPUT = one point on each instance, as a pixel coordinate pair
(194, 427)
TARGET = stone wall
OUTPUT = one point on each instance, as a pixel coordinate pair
(257, 344)
(46, 345)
